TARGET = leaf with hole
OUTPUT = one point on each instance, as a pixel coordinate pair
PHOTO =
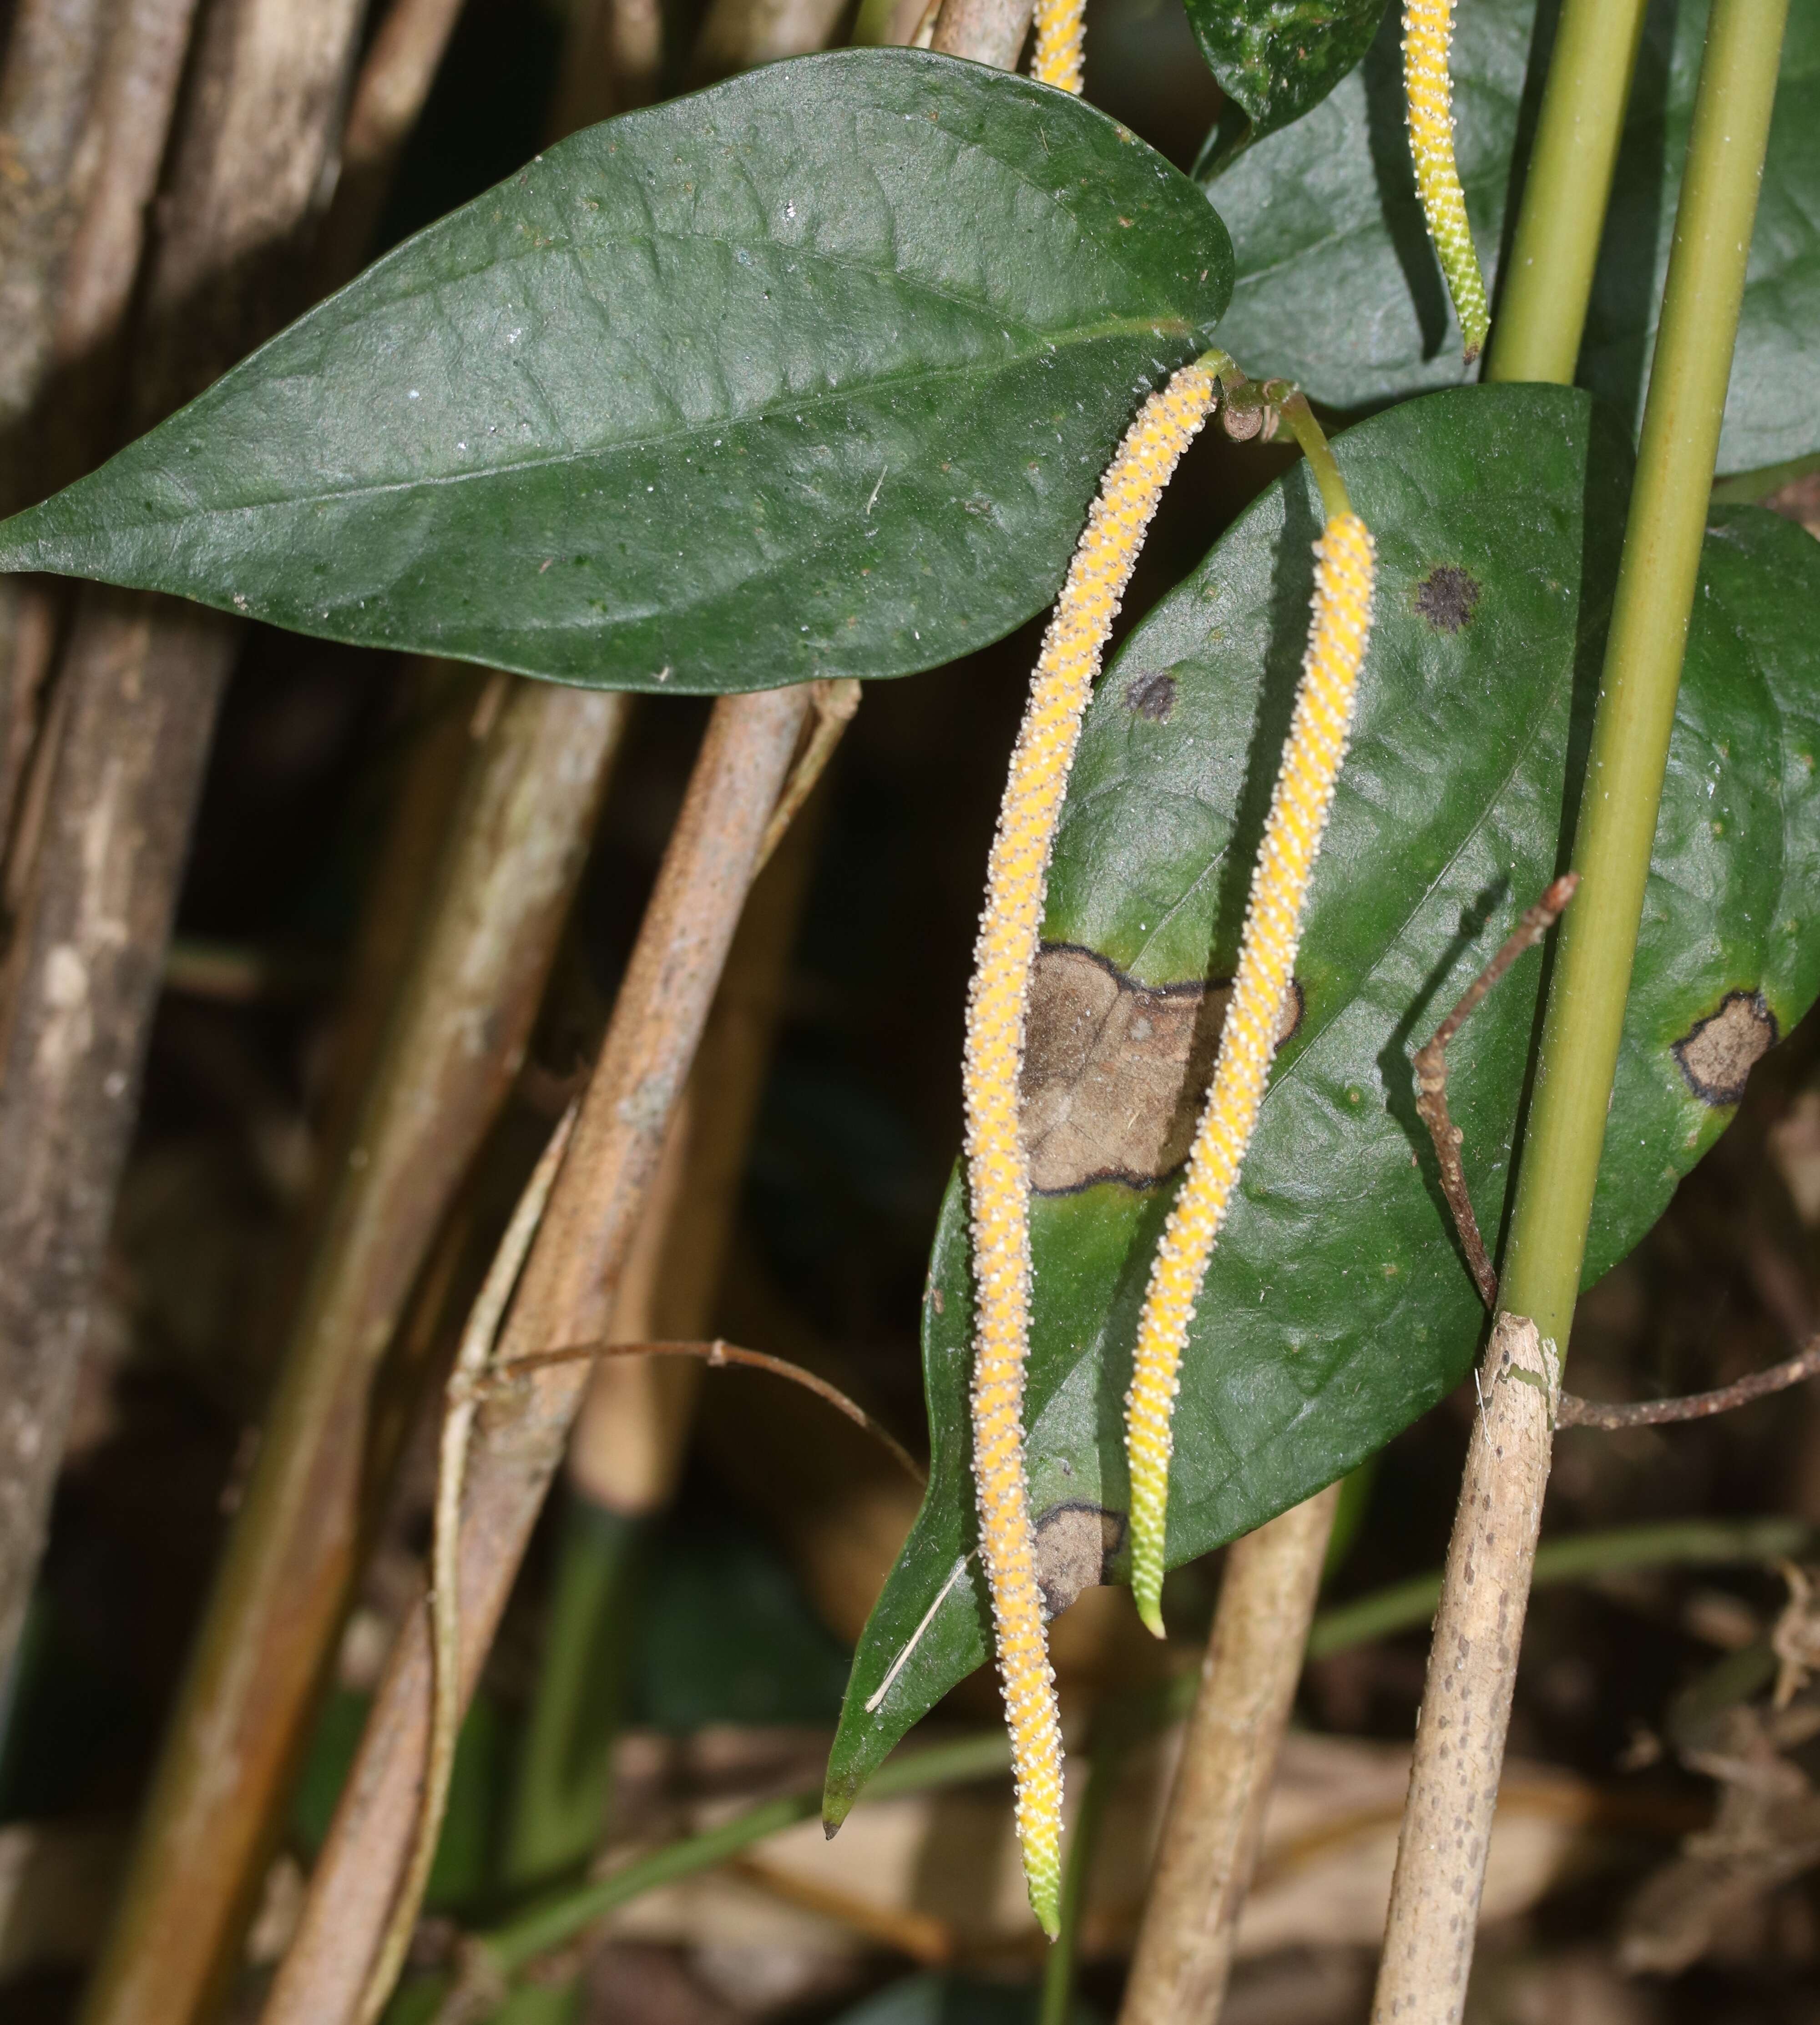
(811, 374)
(1338, 1307)
(1337, 286)
(1276, 60)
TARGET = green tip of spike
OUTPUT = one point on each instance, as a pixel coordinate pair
(1146, 1588)
(1043, 1881)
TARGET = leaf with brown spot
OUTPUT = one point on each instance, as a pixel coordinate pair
(1718, 1053)
(1337, 1306)
(1116, 1072)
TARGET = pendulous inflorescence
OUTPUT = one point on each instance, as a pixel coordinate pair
(997, 1173)
(1339, 629)
(1427, 33)
(1059, 57)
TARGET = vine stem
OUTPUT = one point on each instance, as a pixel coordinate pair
(1542, 302)
(1472, 1663)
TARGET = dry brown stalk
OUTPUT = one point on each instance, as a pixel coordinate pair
(513, 851)
(63, 342)
(394, 80)
(47, 95)
(144, 677)
(1472, 1673)
(444, 1598)
(738, 34)
(627, 1449)
(1215, 1823)
(566, 1295)
(611, 58)
(990, 31)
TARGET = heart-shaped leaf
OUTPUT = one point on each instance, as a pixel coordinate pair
(1337, 286)
(1274, 61)
(811, 374)
(1337, 1306)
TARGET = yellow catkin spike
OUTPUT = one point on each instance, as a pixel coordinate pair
(1428, 33)
(997, 1175)
(1059, 58)
(1337, 635)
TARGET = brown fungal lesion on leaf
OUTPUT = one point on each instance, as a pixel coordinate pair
(1448, 596)
(1716, 1055)
(1116, 1072)
(1076, 1545)
(1151, 696)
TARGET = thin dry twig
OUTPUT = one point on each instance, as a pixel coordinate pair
(1431, 1076)
(566, 1294)
(1215, 1823)
(718, 1355)
(1431, 1103)
(836, 703)
(445, 1600)
(1577, 1412)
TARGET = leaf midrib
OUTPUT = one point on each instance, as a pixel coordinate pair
(1111, 328)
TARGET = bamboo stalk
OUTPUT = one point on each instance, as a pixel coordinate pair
(566, 1295)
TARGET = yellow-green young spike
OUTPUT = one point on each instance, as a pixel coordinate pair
(1059, 58)
(997, 1177)
(1428, 32)
(1337, 635)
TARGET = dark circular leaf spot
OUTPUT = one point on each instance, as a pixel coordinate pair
(1717, 1054)
(1074, 1544)
(1448, 596)
(1153, 696)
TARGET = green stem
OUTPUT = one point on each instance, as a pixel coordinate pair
(1544, 291)
(558, 1812)
(1684, 1542)
(564, 1915)
(1643, 655)
(1315, 446)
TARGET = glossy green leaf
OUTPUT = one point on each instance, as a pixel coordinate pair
(1276, 60)
(1337, 1306)
(1337, 286)
(811, 374)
